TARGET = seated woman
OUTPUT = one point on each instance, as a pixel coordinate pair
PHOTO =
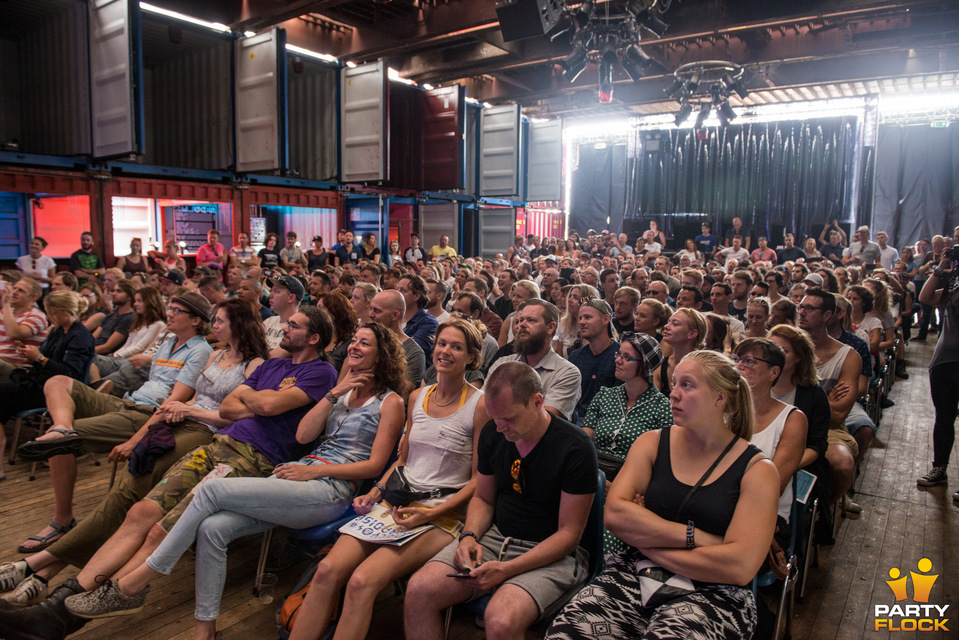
(133, 262)
(567, 339)
(864, 324)
(169, 259)
(690, 251)
(779, 429)
(798, 385)
(699, 501)
(194, 423)
(361, 417)
(618, 415)
(783, 311)
(719, 335)
(522, 291)
(344, 327)
(651, 316)
(67, 350)
(96, 309)
(684, 332)
(149, 320)
(363, 293)
(757, 315)
(438, 451)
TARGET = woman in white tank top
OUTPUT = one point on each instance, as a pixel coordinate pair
(780, 429)
(437, 451)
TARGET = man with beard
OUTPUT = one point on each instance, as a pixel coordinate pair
(535, 326)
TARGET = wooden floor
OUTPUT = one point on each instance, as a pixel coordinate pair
(899, 525)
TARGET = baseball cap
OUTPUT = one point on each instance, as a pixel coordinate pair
(864, 227)
(291, 284)
(814, 279)
(600, 305)
(649, 350)
(173, 276)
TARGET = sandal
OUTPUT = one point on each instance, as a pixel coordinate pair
(38, 450)
(58, 532)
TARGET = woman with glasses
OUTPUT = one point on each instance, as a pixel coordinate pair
(567, 339)
(684, 333)
(97, 308)
(437, 452)
(707, 513)
(618, 415)
(780, 428)
(36, 265)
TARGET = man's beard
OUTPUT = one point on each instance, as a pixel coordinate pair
(529, 346)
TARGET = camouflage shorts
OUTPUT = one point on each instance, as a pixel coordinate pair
(174, 492)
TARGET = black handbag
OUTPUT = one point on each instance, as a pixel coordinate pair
(609, 464)
(399, 493)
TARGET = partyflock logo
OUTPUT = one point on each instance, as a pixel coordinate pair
(912, 617)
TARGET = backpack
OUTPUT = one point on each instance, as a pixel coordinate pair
(286, 616)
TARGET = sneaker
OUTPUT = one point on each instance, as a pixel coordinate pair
(886, 403)
(106, 601)
(30, 591)
(934, 477)
(850, 509)
(12, 574)
(955, 497)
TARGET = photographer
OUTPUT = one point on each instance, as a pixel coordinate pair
(940, 290)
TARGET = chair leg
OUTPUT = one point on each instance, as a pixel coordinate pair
(784, 613)
(33, 472)
(446, 627)
(807, 556)
(264, 552)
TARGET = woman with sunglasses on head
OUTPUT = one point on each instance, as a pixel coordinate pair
(684, 333)
(97, 309)
(780, 428)
(699, 501)
(36, 265)
(437, 452)
(567, 330)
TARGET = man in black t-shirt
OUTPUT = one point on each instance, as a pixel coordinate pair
(536, 481)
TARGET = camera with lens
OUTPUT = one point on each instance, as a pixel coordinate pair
(953, 253)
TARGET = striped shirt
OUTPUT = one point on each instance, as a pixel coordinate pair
(33, 319)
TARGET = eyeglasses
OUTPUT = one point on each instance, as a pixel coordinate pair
(748, 361)
(625, 359)
(516, 471)
(176, 311)
(806, 308)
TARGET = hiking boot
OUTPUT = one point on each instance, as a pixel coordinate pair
(850, 509)
(106, 601)
(30, 591)
(48, 620)
(12, 574)
(934, 477)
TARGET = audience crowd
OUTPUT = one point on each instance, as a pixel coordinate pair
(479, 404)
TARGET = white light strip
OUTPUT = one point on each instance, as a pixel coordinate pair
(312, 54)
(216, 26)
(395, 76)
(917, 102)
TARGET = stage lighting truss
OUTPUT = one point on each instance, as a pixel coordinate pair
(609, 39)
(706, 85)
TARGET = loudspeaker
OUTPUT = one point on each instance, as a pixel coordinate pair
(520, 19)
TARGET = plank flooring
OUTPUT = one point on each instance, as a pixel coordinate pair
(899, 525)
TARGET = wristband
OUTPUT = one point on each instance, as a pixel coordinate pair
(690, 535)
(939, 272)
(331, 398)
(467, 534)
(380, 487)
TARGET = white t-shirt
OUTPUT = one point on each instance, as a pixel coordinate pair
(274, 331)
(44, 264)
(729, 253)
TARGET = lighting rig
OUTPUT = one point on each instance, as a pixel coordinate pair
(705, 86)
(610, 39)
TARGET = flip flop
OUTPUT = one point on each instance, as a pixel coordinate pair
(39, 450)
(45, 541)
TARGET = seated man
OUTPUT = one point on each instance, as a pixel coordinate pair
(22, 322)
(266, 410)
(535, 326)
(82, 417)
(536, 481)
(596, 359)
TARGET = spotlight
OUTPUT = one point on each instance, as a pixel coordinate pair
(636, 58)
(605, 82)
(583, 14)
(651, 22)
(736, 85)
(704, 110)
(684, 111)
(725, 113)
(575, 62)
(676, 89)
(693, 83)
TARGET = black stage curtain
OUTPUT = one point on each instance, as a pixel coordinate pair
(917, 182)
(792, 175)
(599, 188)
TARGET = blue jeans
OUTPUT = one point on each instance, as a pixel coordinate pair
(225, 509)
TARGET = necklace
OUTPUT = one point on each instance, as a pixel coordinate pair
(437, 402)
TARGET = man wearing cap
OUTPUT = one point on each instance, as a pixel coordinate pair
(286, 292)
(862, 251)
(170, 282)
(84, 418)
(534, 328)
(596, 359)
(317, 257)
(813, 280)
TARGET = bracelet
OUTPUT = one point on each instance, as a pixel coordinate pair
(690, 535)
(331, 398)
(380, 487)
(939, 272)
(465, 533)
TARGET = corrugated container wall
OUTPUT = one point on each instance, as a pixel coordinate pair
(46, 99)
(187, 94)
(311, 118)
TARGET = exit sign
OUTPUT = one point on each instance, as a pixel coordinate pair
(939, 124)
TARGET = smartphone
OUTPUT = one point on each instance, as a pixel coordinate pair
(461, 575)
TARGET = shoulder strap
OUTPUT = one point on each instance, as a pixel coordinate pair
(706, 475)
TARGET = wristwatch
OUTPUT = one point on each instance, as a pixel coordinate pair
(465, 533)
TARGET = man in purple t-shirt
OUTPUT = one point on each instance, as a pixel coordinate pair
(266, 409)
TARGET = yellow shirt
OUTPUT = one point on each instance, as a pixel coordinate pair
(437, 251)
